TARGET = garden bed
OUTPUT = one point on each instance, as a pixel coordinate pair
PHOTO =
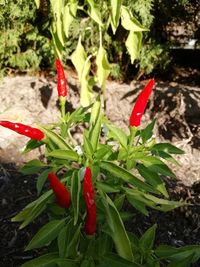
(34, 100)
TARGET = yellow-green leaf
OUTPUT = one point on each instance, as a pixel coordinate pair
(103, 67)
(115, 13)
(82, 65)
(129, 22)
(133, 44)
(37, 2)
(94, 12)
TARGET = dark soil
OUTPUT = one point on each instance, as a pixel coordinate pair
(176, 107)
(177, 228)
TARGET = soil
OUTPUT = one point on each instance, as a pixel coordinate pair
(176, 107)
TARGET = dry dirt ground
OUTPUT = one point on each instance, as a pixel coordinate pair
(33, 100)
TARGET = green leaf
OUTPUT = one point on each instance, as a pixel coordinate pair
(153, 178)
(46, 234)
(32, 210)
(125, 175)
(32, 167)
(156, 165)
(94, 12)
(118, 135)
(147, 133)
(119, 201)
(64, 154)
(47, 260)
(168, 148)
(119, 235)
(178, 254)
(56, 42)
(56, 139)
(41, 180)
(75, 194)
(103, 152)
(186, 262)
(115, 13)
(129, 22)
(150, 200)
(107, 188)
(103, 67)
(68, 239)
(165, 156)
(82, 65)
(95, 124)
(57, 8)
(88, 146)
(139, 205)
(65, 263)
(113, 260)
(69, 13)
(147, 240)
(133, 44)
(37, 2)
(32, 144)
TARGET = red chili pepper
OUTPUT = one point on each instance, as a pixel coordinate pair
(61, 83)
(26, 130)
(62, 194)
(140, 104)
(88, 191)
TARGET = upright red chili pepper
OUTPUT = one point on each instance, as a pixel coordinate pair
(62, 194)
(140, 104)
(61, 82)
(26, 130)
(88, 191)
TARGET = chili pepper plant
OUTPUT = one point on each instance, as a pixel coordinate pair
(84, 187)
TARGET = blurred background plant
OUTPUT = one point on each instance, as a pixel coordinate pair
(25, 43)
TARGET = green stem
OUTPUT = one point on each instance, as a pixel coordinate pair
(133, 131)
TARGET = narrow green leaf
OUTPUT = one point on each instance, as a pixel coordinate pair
(95, 124)
(186, 262)
(88, 147)
(46, 234)
(119, 235)
(118, 135)
(157, 165)
(125, 175)
(113, 260)
(168, 148)
(32, 167)
(153, 178)
(75, 194)
(139, 205)
(172, 253)
(147, 240)
(64, 239)
(33, 209)
(56, 139)
(147, 133)
(41, 180)
(32, 144)
(64, 154)
(46, 260)
(107, 188)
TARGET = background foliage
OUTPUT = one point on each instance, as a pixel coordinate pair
(25, 42)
